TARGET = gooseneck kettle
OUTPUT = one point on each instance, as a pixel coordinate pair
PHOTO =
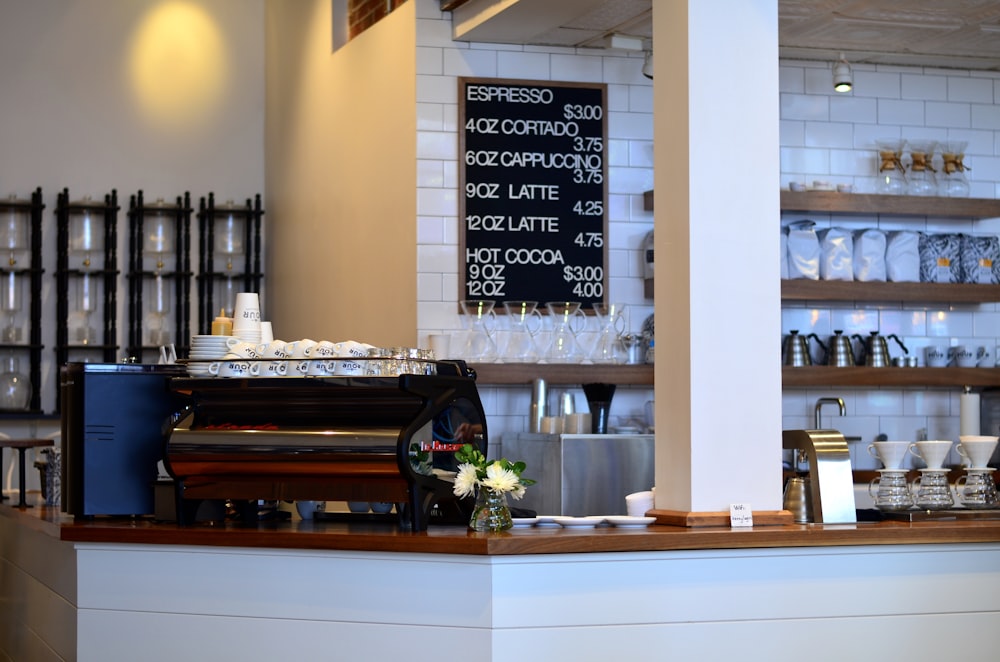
(841, 353)
(877, 349)
(796, 348)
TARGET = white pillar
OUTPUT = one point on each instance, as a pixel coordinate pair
(718, 308)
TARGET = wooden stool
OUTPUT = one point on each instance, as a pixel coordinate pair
(22, 445)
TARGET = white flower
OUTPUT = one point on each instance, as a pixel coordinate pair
(518, 491)
(500, 479)
(465, 481)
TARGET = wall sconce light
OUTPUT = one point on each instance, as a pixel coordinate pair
(647, 66)
(843, 79)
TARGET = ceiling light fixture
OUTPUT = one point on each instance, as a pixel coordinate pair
(647, 66)
(843, 79)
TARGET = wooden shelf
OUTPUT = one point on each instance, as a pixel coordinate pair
(823, 375)
(893, 205)
(559, 373)
(843, 290)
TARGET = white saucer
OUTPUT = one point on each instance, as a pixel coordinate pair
(579, 522)
(546, 520)
(524, 522)
(629, 522)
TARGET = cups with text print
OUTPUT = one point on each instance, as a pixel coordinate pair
(965, 356)
(324, 349)
(299, 349)
(273, 368)
(320, 367)
(276, 349)
(237, 366)
(935, 356)
(984, 356)
(352, 355)
(246, 317)
(247, 350)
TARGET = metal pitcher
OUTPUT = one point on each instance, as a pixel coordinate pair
(796, 349)
(841, 353)
(877, 349)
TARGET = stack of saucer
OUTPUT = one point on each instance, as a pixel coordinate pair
(206, 349)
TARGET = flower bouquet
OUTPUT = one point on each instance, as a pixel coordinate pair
(490, 482)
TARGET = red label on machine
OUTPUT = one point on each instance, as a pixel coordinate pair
(440, 446)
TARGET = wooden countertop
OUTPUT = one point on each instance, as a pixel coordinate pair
(379, 537)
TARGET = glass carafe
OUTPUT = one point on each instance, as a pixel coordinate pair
(611, 319)
(480, 346)
(568, 320)
(891, 179)
(952, 182)
(890, 490)
(525, 321)
(921, 181)
(977, 489)
(932, 491)
(15, 387)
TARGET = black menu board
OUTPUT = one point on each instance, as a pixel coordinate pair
(533, 191)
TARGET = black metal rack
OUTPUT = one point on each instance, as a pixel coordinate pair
(179, 272)
(106, 272)
(33, 272)
(247, 274)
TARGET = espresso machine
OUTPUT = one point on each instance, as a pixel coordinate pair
(375, 439)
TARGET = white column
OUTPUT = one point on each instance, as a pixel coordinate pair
(718, 309)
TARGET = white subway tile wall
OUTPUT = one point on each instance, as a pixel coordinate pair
(824, 136)
(440, 61)
(829, 136)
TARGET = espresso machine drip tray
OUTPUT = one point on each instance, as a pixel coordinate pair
(374, 439)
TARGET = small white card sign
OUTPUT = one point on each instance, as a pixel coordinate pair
(740, 515)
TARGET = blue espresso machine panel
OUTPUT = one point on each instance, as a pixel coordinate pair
(114, 423)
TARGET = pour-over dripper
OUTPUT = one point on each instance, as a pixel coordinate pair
(609, 347)
(525, 323)
(891, 177)
(952, 182)
(599, 400)
(479, 343)
(568, 321)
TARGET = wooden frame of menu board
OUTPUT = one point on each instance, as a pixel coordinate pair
(533, 191)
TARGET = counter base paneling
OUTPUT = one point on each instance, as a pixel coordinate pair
(773, 591)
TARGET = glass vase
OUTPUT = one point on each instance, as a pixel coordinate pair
(491, 512)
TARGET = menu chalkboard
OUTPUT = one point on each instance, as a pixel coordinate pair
(533, 191)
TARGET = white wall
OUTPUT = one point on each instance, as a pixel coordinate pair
(93, 101)
(830, 136)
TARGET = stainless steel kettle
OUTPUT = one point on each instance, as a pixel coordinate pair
(797, 499)
(877, 349)
(796, 349)
(841, 353)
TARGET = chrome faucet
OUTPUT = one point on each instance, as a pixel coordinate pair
(828, 401)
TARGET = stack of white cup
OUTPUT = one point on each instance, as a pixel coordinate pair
(246, 317)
